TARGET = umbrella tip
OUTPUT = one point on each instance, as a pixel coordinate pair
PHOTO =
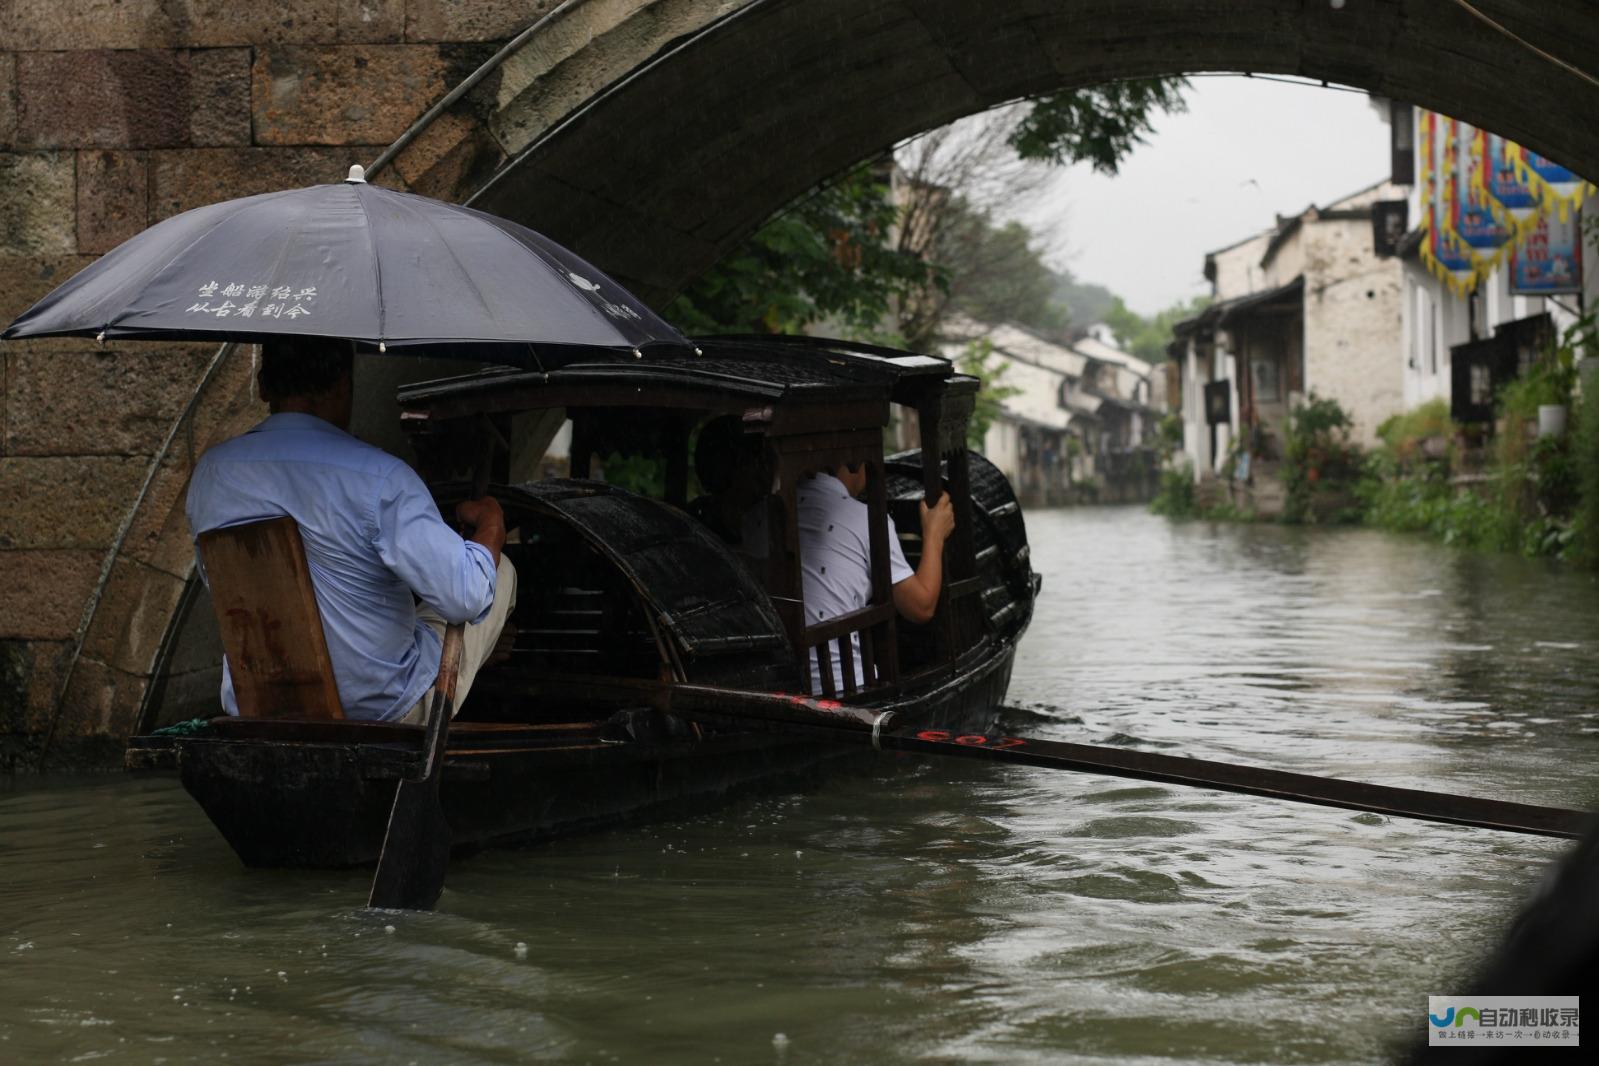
(357, 173)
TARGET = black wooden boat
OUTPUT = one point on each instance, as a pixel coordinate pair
(652, 663)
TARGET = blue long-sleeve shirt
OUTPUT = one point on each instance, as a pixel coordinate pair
(373, 537)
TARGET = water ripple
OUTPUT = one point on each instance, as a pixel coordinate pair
(914, 910)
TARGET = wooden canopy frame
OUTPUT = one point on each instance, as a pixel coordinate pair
(816, 405)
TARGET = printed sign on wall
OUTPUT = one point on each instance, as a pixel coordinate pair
(1547, 261)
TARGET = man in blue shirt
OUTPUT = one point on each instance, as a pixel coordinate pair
(373, 536)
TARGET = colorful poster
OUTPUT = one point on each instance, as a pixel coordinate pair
(1561, 187)
(1547, 260)
(1515, 202)
(1469, 214)
(1441, 248)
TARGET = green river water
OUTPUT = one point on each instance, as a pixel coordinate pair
(913, 911)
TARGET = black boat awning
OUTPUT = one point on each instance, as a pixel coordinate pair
(668, 556)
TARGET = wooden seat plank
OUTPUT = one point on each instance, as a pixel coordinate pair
(271, 628)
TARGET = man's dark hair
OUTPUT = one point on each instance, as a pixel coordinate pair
(303, 366)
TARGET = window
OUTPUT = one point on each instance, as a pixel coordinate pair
(1268, 379)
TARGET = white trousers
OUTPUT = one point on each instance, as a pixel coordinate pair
(477, 642)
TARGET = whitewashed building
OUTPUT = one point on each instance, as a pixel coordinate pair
(1306, 306)
(1437, 322)
(1078, 426)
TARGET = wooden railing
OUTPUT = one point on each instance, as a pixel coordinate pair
(879, 666)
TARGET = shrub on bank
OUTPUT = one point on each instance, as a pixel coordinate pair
(1585, 451)
(1424, 501)
(1175, 497)
(1321, 466)
(1538, 496)
(1534, 494)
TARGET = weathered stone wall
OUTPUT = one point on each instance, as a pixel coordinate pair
(1354, 334)
(115, 114)
(1236, 268)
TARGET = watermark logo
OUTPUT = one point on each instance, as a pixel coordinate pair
(1513, 1021)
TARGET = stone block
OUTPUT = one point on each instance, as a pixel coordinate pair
(42, 593)
(472, 20)
(8, 99)
(66, 502)
(111, 402)
(38, 206)
(230, 405)
(101, 702)
(30, 679)
(26, 278)
(371, 21)
(159, 537)
(44, 25)
(113, 198)
(219, 97)
(133, 99)
(132, 617)
(106, 99)
(185, 178)
(451, 157)
(352, 94)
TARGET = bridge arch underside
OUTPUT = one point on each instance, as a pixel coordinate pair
(658, 176)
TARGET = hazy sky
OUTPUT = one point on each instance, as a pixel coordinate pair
(1245, 150)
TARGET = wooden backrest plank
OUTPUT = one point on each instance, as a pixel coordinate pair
(271, 628)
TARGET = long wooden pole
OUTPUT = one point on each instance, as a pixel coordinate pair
(845, 723)
(1253, 781)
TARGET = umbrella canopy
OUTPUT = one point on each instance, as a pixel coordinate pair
(386, 269)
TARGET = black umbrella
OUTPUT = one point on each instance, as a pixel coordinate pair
(351, 260)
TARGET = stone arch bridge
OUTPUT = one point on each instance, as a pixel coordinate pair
(649, 135)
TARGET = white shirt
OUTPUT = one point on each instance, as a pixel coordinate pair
(835, 543)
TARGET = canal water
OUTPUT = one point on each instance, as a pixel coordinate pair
(915, 911)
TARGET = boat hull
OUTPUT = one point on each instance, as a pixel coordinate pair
(285, 801)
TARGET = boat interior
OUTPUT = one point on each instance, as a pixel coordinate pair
(645, 586)
(667, 553)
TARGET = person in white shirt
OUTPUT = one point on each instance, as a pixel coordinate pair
(836, 557)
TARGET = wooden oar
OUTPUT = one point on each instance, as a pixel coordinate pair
(830, 720)
(1252, 781)
(416, 848)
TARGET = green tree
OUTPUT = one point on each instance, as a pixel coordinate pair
(994, 274)
(1084, 303)
(1100, 125)
(829, 255)
(1148, 338)
(833, 254)
(978, 361)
